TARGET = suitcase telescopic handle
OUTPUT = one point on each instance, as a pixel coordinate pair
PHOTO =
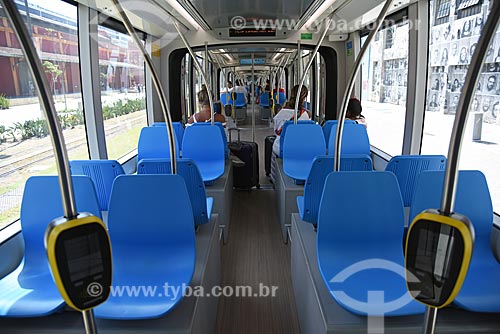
(239, 135)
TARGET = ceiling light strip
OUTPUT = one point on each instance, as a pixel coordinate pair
(191, 10)
(310, 11)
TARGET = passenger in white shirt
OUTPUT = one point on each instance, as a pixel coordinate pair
(240, 89)
(288, 113)
(229, 87)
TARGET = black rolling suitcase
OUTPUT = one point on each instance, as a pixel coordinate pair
(247, 176)
(269, 141)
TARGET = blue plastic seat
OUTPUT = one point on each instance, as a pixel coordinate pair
(327, 127)
(359, 244)
(302, 144)
(223, 133)
(226, 98)
(205, 146)
(151, 228)
(202, 206)
(102, 173)
(308, 204)
(283, 132)
(29, 291)
(264, 100)
(354, 139)
(178, 128)
(240, 100)
(407, 169)
(280, 98)
(153, 144)
(480, 291)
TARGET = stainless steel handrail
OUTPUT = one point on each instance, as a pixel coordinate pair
(329, 21)
(198, 68)
(464, 104)
(350, 84)
(156, 81)
(47, 102)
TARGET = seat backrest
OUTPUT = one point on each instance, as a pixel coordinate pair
(359, 243)
(178, 128)
(264, 99)
(302, 144)
(321, 167)
(240, 100)
(281, 98)
(154, 144)
(354, 139)
(152, 216)
(472, 199)
(102, 173)
(222, 132)
(204, 144)
(361, 208)
(283, 132)
(226, 98)
(408, 167)
(40, 205)
(189, 171)
(327, 127)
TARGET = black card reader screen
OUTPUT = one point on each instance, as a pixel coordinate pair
(86, 258)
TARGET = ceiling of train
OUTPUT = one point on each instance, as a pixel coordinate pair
(218, 13)
(240, 57)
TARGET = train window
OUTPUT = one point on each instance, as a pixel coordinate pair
(451, 48)
(25, 145)
(122, 81)
(384, 87)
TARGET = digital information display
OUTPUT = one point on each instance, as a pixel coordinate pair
(256, 61)
(252, 32)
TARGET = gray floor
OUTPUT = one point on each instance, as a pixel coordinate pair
(256, 255)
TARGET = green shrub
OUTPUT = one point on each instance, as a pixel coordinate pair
(3, 130)
(33, 128)
(4, 102)
(120, 108)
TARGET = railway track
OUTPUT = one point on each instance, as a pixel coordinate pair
(28, 157)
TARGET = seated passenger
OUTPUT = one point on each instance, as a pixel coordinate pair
(205, 115)
(239, 88)
(354, 110)
(203, 96)
(288, 113)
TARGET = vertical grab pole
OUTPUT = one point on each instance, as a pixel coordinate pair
(299, 67)
(216, 57)
(47, 101)
(156, 81)
(253, 102)
(350, 84)
(329, 21)
(450, 180)
(283, 68)
(198, 67)
(206, 66)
